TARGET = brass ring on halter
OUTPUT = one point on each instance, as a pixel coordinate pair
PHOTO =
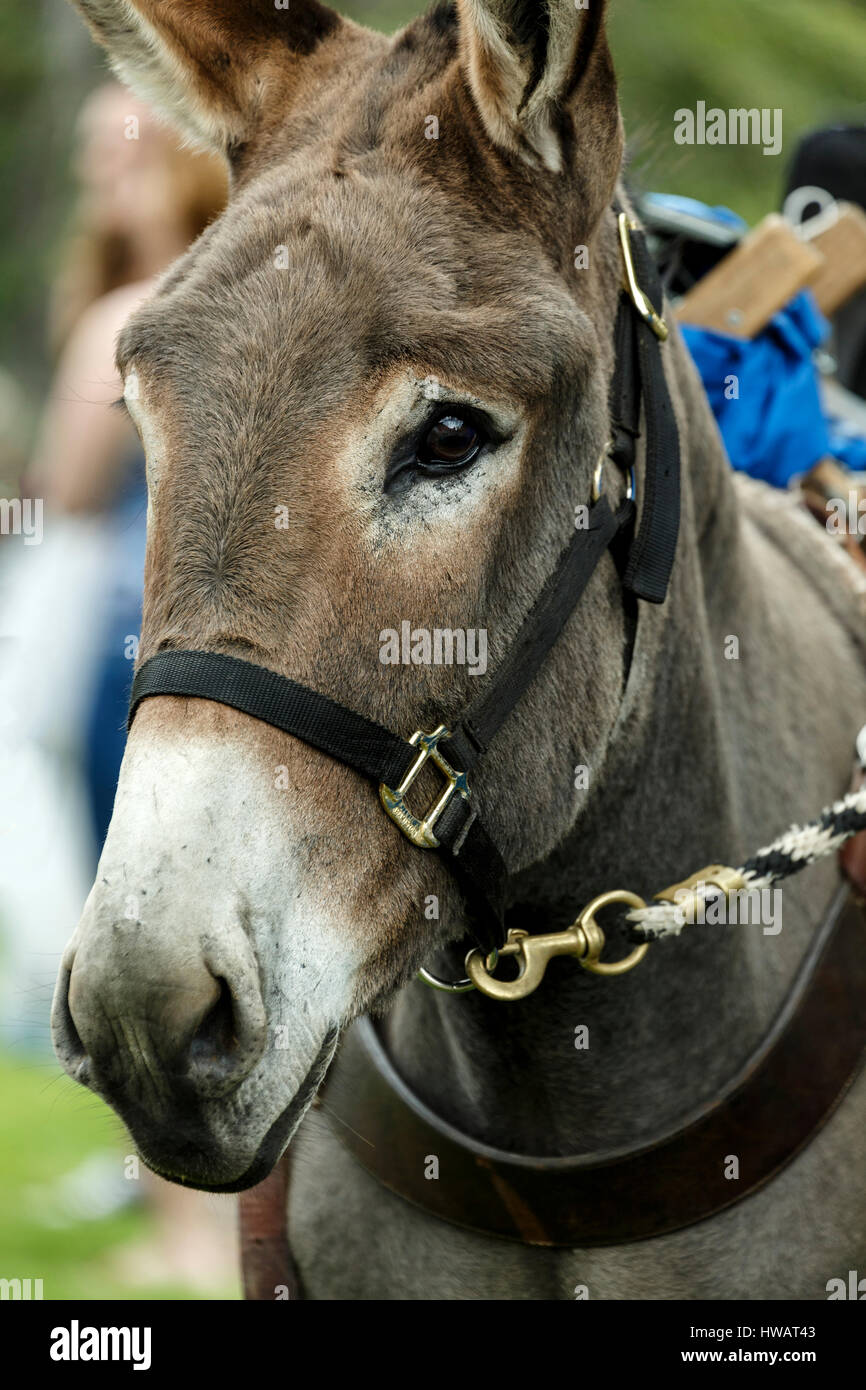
(455, 986)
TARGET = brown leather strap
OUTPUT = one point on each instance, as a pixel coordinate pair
(852, 855)
(780, 1099)
(266, 1260)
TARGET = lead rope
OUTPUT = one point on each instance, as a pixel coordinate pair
(798, 847)
(680, 905)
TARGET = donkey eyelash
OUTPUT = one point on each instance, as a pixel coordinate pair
(120, 404)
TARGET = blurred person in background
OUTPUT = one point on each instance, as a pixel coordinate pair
(143, 200)
(70, 607)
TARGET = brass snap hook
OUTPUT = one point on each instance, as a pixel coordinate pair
(584, 939)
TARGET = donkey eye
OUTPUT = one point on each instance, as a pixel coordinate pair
(452, 441)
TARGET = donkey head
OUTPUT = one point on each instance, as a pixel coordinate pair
(372, 393)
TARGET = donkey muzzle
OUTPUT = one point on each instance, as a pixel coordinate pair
(155, 1019)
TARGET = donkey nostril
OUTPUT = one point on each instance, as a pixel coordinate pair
(175, 1021)
(228, 1042)
(215, 1042)
(70, 1050)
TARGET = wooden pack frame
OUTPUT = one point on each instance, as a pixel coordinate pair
(772, 263)
(842, 243)
(748, 286)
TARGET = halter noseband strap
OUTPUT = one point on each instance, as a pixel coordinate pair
(453, 826)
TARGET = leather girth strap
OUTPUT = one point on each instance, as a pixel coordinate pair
(267, 1266)
(782, 1096)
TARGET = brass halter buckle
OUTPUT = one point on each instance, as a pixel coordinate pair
(635, 293)
(419, 831)
(584, 939)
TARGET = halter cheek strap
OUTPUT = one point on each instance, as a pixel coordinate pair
(453, 826)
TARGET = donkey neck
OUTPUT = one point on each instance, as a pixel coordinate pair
(666, 1037)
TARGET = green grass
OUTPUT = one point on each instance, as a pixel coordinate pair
(48, 1127)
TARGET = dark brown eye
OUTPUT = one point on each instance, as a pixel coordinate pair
(451, 442)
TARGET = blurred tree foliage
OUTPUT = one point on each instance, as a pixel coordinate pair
(21, 267)
(807, 58)
(46, 67)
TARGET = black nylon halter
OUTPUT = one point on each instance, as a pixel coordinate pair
(457, 831)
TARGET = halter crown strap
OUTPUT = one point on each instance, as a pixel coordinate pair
(640, 370)
(453, 825)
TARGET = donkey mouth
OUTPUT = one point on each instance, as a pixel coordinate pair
(195, 1161)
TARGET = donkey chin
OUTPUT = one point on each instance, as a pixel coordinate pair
(203, 991)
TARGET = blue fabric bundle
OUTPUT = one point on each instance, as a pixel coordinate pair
(765, 391)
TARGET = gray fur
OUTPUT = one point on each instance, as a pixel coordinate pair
(409, 258)
(753, 749)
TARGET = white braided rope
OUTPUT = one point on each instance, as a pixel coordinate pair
(797, 847)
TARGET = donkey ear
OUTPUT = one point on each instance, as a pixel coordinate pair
(206, 65)
(542, 77)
